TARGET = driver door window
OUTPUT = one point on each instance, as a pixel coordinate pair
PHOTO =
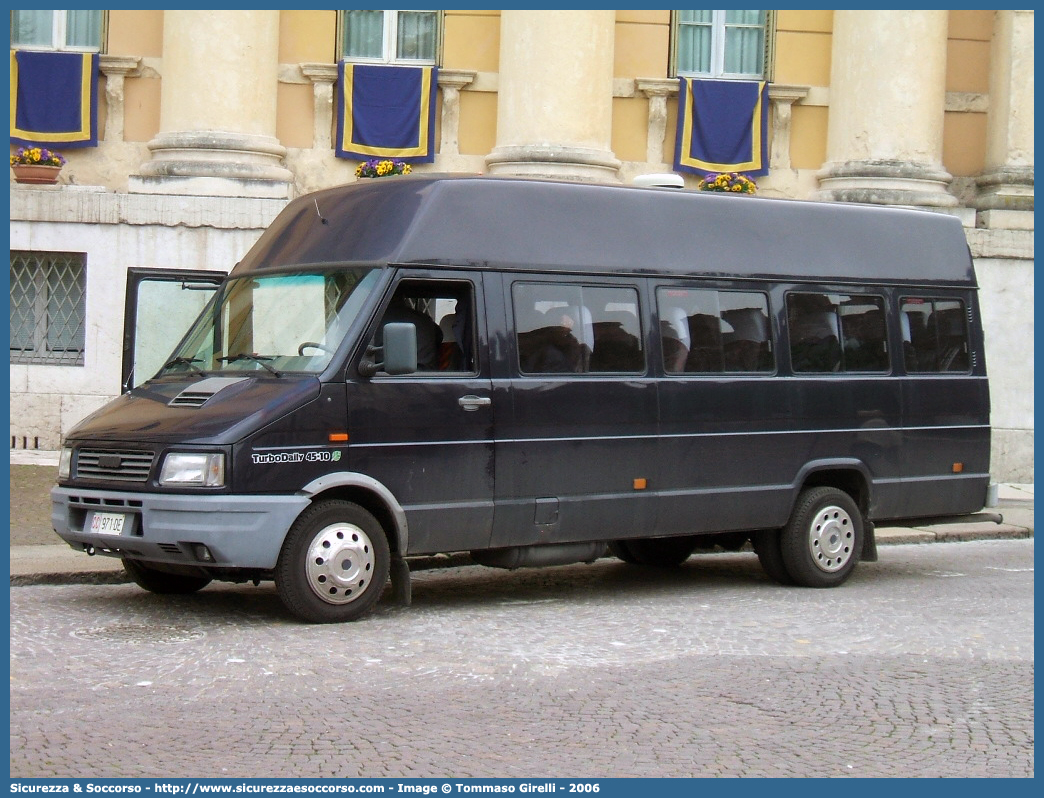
(443, 314)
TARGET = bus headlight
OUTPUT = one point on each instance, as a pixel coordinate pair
(65, 463)
(193, 469)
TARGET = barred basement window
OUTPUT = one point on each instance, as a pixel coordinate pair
(48, 308)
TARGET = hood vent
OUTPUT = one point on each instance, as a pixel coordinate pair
(197, 394)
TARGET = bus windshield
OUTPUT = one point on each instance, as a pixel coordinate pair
(274, 323)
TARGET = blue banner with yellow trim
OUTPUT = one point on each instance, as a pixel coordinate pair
(722, 127)
(54, 98)
(386, 112)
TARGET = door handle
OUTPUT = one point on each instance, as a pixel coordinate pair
(472, 402)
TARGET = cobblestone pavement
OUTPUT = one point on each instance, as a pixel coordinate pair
(921, 665)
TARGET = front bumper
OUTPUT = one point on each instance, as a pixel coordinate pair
(239, 531)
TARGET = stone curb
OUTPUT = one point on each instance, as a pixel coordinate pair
(71, 578)
(895, 536)
(108, 571)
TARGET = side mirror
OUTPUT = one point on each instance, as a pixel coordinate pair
(400, 348)
(397, 356)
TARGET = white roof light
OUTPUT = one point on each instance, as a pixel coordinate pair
(669, 180)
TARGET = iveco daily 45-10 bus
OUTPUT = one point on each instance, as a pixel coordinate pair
(537, 372)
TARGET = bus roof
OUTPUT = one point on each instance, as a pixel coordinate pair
(558, 226)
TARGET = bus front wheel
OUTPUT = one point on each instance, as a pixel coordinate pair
(334, 563)
(820, 544)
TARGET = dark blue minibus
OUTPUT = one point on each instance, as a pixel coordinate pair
(539, 372)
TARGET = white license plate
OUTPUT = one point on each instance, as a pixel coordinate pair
(108, 523)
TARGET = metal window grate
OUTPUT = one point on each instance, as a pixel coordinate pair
(48, 308)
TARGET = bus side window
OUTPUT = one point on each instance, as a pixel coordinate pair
(935, 335)
(705, 354)
(863, 339)
(577, 329)
(746, 340)
(674, 338)
(616, 328)
(674, 307)
(952, 335)
(549, 327)
(707, 331)
(815, 344)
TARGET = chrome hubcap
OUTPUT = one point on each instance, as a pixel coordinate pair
(831, 539)
(340, 563)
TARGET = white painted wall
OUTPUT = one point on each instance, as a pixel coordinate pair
(46, 401)
(1006, 301)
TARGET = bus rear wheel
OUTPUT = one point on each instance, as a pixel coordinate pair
(334, 563)
(766, 544)
(659, 552)
(820, 544)
(619, 549)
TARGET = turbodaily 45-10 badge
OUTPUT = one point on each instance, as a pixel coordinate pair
(314, 456)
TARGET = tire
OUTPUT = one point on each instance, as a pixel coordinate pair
(766, 544)
(161, 582)
(334, 563)
(821, 542)
(618, 548)
(729, 541)
(659, 552)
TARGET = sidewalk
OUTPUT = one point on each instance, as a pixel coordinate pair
(39, 557)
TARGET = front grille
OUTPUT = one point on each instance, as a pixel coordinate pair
(107, 502)
(115, 465)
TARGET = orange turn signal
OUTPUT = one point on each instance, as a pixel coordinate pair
(640, 483)
(338, 437)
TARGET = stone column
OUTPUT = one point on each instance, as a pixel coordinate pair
(217, 108)
(887, 101)
(451, 81)
(554, 107)
(1007, 181)
(323, 77)
(116, 68)
(782, 98)
(657, 90)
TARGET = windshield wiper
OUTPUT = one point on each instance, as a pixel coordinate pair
(259, 359)
(186, 361)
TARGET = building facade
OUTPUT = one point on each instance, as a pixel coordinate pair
(208, 122)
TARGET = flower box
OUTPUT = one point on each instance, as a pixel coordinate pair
(36, 173)
(36, 165)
